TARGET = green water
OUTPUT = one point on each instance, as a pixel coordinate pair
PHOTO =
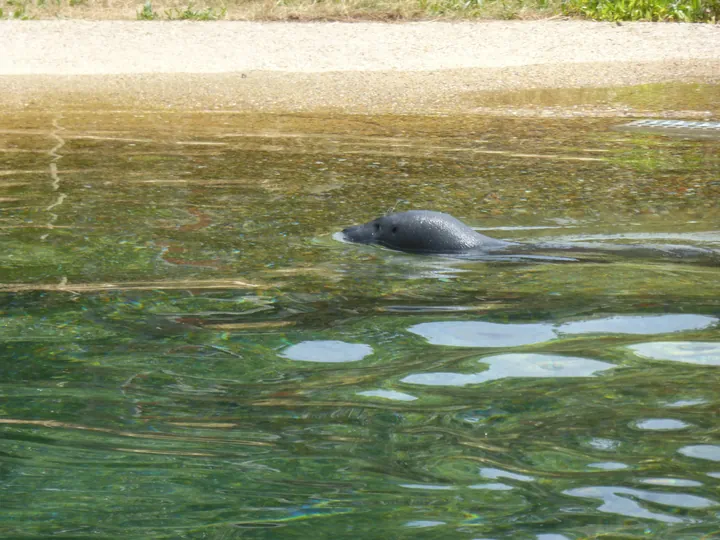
(187, 352)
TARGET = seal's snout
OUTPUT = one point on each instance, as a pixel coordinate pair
(351, 234)
(358, 233)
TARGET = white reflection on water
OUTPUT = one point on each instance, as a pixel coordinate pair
(327, 351)
(615, 503)
(482, 334)
(422, 524)
(671, 482)
(660, 424)
(493, 486)
(488, 472)
(600, 443)
(686, 403)
(639, 324)
(702, 451)
(608, 465)
(388, 394)
(515, 365)
(706, 353)
(432, 487)
(490, 334)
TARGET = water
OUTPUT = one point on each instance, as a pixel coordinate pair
(188, 353)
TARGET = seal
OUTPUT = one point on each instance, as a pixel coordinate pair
(437, 233)
(423, 231)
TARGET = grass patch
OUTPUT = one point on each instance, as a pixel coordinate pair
(190, 14)
(147, 13)
(16, 9)
(289, 10)
(483, 9)
(356, 10)
(645, 10)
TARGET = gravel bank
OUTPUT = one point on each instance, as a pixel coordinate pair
(358, 67)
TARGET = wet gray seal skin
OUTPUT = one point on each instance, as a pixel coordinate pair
(423, 231)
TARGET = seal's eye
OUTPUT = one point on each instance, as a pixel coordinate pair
(394, 230)
(377, 227)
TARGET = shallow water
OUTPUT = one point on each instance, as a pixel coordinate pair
(188, 353)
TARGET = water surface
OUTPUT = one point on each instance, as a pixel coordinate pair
(188, 353)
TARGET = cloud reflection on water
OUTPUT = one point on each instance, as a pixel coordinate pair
(515, 366)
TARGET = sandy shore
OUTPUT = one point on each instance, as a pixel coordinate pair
(358, 67)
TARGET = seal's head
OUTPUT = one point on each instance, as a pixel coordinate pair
(420, 231)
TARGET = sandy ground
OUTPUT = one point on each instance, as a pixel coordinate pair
(349, 67)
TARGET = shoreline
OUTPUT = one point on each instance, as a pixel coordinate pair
(558, 91)
(350, 68)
